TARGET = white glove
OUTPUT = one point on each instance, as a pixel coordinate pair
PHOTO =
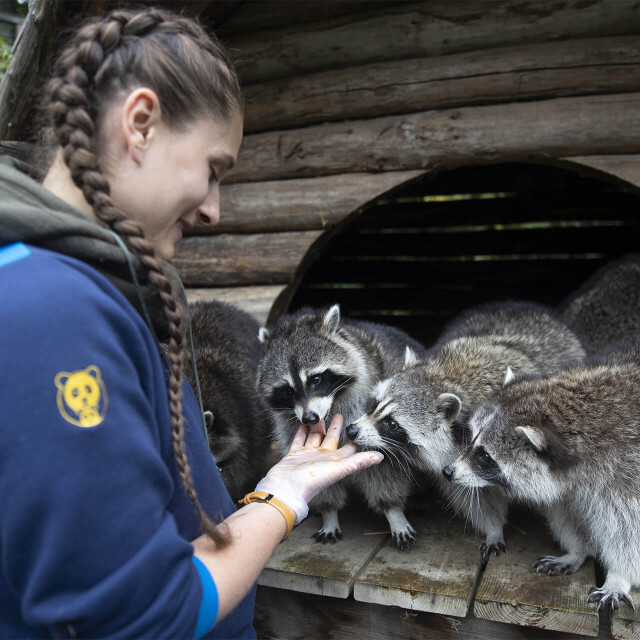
(312, 464)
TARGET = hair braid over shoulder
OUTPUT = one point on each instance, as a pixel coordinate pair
(191, 73)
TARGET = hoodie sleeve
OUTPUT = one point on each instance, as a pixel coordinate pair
(88, 546)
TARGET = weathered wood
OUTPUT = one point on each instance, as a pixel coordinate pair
(254, 300)
(311, 203)
(625, 167)
(26, 69)
(551, 69)
(438, 575)
(435, 139)
(292, 615)
(301, 564)
(225, 260)
(625, 623)
(421, 29)
(510, 591)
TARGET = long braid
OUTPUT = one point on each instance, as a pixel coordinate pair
(72, 94)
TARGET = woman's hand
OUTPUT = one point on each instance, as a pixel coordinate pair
(313, 463)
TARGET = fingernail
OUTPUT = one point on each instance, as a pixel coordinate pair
(377, 457)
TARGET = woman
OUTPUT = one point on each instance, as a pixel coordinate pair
(105, 477)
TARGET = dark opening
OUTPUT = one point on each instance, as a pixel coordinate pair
(471, 235)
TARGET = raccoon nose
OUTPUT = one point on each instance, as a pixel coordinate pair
(352, 431)
(447, 472)
(311, 418)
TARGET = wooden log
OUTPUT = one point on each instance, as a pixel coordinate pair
(310, 203)
(225, 260)
(535, 71)
(439, 574)
(301, 564)
(424, 29)
(254, 300)
(625, 622)
(510, 591)
(563, 127)
(625, 167)
(27, 67)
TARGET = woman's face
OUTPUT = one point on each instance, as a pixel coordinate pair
(177, 182)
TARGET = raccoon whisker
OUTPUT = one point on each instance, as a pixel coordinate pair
(404, 465)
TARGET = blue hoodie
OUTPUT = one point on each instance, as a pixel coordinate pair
(94, 521)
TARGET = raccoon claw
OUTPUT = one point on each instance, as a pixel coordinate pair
(551, 566)
(404, 539)
(327, 536)
(487, 549)
(607, 599)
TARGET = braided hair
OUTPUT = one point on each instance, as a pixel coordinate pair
(193, 77)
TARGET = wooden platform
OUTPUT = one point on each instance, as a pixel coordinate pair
(439, 583)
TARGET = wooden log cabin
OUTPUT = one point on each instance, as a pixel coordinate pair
(408, 160)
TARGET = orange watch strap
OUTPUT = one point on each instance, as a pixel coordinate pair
(263, 496)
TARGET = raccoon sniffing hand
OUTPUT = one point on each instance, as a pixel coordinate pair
(571, 444)
(317, 364)
(421, 414)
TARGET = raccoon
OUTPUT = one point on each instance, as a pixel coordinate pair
(422, 412)
(316, 365)
(227, 354)
(571, 445)
(606, 307)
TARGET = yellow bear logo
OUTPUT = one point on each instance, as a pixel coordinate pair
(82, 396)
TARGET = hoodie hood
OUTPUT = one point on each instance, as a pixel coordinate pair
(31, 214)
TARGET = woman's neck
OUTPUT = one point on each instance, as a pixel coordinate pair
(58, 180)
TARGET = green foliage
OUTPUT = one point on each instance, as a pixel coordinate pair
(5, 56)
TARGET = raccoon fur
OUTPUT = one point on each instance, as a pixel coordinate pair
(606, 307)
(571, 445)
(227, 355)
(422, 412)
(316, 365)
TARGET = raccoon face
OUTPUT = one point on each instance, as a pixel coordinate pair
(507, 454)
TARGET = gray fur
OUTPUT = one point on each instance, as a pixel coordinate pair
(355, 355)
(227, 356)
(571, 445)
(423, 411)
(606, 308)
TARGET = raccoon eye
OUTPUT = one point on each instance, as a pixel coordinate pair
(316, 380)
(389, 423)
(485, 457)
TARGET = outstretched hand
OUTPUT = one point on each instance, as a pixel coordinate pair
(313, 463)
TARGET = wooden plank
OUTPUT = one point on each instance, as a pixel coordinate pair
(292, 615)
(257, 301)
(438, 575)
(625, 622)
(305, 204)
(563, 127)
(420, 29)
(551, 69)
(238, 259)
(510, 591)
(300, 564)
(625, 167)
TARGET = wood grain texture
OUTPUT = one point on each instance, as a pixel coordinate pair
(510, 591)
(626, 167)
(562, 127)
(438, 574)
(301, 564)
(254, 300)
(424, 29)
(625, 623)
(534, 71)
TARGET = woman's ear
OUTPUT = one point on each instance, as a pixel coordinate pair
(140, 119)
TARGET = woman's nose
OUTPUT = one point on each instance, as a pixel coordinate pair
(209, 210)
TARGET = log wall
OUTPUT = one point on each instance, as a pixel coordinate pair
(349, 101)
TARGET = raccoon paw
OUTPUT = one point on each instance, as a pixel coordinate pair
(609, 599)
(487, 549)
(404, 539)
(332, 535)
(553, 566)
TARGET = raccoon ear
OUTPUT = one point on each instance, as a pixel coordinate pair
(535, 437)
(331, 319)
(263, 335)
(449, 405)
(410, 358)
(509, 377)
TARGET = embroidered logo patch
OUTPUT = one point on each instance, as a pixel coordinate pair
(82, 396)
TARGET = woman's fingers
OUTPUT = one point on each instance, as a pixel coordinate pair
(300, 438)
(332, 439)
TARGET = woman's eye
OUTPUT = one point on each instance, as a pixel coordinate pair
(213, 175)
